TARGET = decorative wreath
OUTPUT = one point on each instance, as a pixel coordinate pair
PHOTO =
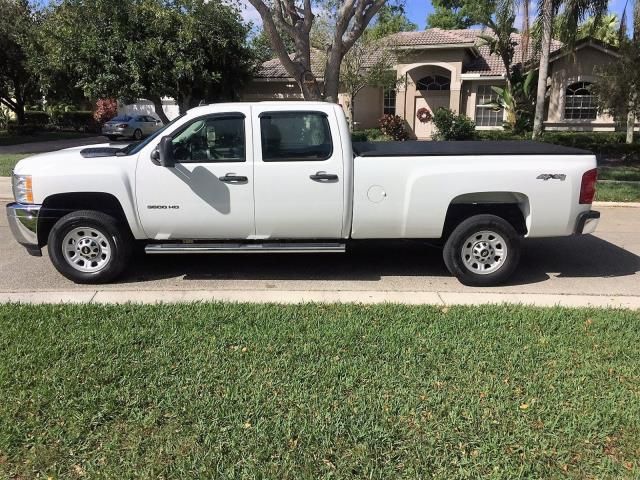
(424, 115)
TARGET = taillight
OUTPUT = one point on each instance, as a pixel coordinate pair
(588, 186)
(122, 125)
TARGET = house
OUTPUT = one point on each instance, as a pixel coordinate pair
(452, 68)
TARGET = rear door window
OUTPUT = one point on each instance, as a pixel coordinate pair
(295, 136)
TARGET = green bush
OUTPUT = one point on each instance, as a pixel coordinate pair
(27, 129)
(452, 126)
(80, 120)
(369, 135)
(37, 118)
(394, 127)
(605, 144)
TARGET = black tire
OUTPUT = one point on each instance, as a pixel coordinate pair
(137, 134)
(457, 245)
(117, 236)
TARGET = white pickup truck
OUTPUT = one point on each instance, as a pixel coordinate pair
(285, 177)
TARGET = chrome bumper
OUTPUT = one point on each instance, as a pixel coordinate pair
(23, 222)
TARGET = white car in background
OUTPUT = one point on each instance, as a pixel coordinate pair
(131, 126)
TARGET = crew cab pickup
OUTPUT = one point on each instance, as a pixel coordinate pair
(285, 177)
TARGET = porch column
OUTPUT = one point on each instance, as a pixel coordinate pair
(455, 96)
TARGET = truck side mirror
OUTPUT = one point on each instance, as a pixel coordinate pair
(165, 153)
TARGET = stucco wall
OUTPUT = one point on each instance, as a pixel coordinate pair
(583, 66)
(368, 107)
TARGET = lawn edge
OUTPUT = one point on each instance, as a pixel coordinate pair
(435, 298)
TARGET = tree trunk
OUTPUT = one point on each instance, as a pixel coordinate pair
(631, 122)
(332, 75)
(309, 87)
(157, 106)
(352, 110)
(547, 25)
(19, 111)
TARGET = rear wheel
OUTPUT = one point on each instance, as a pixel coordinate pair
(89, 247)
(483, 250)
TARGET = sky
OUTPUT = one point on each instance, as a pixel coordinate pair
(417, 11)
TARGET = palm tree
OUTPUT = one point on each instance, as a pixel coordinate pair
(574, 12)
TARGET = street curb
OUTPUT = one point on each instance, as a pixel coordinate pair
(617, 204)
(317, 296)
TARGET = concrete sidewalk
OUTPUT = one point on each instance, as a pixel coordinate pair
(6, 194)
(293, 297)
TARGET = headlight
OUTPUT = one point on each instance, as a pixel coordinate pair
(22, 188)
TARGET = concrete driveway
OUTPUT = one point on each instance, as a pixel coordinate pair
(601, 265)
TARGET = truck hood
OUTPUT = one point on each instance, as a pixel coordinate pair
(60, 159)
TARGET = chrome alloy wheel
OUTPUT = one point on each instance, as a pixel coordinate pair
(86, 249)
(484, 252)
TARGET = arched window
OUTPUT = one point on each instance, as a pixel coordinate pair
(580, 102)
(433, 82)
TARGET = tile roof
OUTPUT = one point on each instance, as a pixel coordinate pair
(484, 64)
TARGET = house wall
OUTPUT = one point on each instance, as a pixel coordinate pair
(368, 107)
(583, 66)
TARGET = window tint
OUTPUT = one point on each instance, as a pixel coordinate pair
(211, 139)
(295, 136)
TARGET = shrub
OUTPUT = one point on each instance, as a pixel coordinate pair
(36, 118)
(451, 126)
(106, 109)
(369, 135)
(393, 126)
(81, 120)
(27, 129)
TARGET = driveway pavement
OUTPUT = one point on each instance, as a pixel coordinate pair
(598, 266)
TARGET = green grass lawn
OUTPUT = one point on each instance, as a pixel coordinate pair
(8, 161)
(8, 139)
(624, 172)
(318, 391)
(618, 192)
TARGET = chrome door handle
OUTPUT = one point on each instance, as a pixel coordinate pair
(233, 178)
(324, 177)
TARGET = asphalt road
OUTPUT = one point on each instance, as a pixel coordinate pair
(607, 263)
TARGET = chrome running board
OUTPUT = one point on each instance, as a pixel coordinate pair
(300, 247)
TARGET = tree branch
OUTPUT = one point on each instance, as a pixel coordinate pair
(362, 18)
(9, 104)
(274, 35)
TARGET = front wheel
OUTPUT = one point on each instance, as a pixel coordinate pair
(89, 247)
(482, 251)
(137, 135)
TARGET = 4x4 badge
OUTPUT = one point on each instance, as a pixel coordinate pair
(552, 176)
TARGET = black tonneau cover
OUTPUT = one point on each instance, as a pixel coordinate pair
(430, 148)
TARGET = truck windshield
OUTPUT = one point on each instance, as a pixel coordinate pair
(136, 147)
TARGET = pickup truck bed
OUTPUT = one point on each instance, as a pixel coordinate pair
(473, 147)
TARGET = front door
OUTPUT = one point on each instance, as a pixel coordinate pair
(209, 192)
(299, 174)
(433, 100)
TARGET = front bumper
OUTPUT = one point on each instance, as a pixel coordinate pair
(23, 222)
(587, 222)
